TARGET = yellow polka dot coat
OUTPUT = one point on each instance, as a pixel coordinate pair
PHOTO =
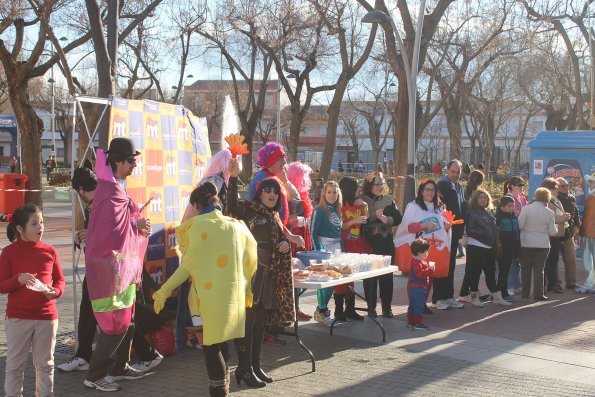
(219, 256)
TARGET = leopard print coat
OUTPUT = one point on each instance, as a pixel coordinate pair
(279, 275)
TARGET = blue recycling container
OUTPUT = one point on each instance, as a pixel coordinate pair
(307, 256)
(569, 154)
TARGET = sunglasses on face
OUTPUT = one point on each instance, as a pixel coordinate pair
(131, 160)
(270, 189)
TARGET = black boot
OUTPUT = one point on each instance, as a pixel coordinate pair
(244, 370)
(339, 312)
(350, 312)
(248, 376)
(257, 340)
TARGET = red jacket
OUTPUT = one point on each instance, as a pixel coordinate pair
(35, 258)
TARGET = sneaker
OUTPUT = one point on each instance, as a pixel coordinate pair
(442, 304)
(464, 299)
(323, 318)
(301, 316)
(508, 298)
(129, 374)
(103, 384)
(582, 290)
(511, 292)
(421, 326)
(145, 366)
(74, 364)
(517, 291)
(455, 304)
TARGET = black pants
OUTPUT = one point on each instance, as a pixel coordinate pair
(87, 325)
(249, 347)
(111, 354)
(380, 246)
(551, 263)
(444, 287)
(386, 291)
(504, 263)
(145, 320)
(216, 367)
(480, 259)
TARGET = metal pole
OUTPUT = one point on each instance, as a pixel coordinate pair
(592, 121)
(53, 107)
(410, 184)
(278, 110)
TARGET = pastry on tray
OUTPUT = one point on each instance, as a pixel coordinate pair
(346, 270)
(301, 274)
(317, 268)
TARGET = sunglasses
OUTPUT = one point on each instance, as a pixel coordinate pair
(270, 189)
(131, 160)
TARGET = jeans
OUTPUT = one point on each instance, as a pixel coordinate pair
(514, 274)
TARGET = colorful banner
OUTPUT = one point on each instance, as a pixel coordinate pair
(175, 149)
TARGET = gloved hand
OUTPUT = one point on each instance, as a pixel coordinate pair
(158, 301)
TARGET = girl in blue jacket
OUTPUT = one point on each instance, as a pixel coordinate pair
(326, 235)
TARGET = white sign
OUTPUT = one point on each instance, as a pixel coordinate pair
(537, 167)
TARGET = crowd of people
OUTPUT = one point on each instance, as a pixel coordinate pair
(240, 289)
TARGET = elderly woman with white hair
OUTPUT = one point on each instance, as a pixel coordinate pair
(536, 223)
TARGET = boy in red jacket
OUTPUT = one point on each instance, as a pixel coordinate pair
(419, 277)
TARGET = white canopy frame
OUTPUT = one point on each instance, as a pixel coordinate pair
(75, 198)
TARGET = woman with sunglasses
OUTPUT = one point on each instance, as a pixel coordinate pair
(272, 284)
(383, 216)
(424, 218)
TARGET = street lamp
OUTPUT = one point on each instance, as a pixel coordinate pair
(174, 87)
(377, 16)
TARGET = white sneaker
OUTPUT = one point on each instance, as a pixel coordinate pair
(323, 318)
(103, 384)
(464, 299)
(442, 304)
(74, 364)
(145, 366)
(511, 292)
(455, 304)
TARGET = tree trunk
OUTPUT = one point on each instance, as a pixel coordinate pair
(453, 124)
(294, 134)
(333, 111)
(30, 128)
(400, 138)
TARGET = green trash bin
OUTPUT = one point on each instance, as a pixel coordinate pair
(11, 200)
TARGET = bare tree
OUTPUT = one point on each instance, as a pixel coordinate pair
(555, 13)
(342, 20)
(18, 24)
(234, 31)
(430, 25)
(459, 55)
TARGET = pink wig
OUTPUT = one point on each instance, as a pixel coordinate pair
(219, 164)
(299, 174)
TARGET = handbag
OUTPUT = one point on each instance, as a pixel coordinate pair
(164, 340)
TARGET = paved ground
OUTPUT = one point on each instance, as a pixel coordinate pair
(531, 349)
